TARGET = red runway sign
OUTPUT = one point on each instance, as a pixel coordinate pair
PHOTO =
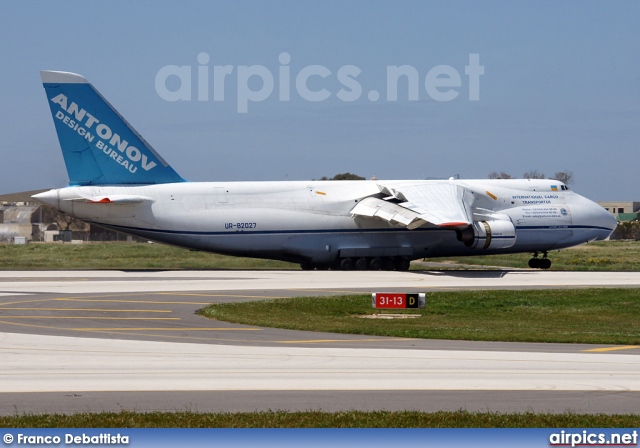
(398, 300)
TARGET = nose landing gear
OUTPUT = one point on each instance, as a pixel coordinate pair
(540, 263)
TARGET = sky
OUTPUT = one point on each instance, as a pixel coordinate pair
(489, 86)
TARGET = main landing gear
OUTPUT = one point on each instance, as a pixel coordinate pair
(361, 264)
(540, 263)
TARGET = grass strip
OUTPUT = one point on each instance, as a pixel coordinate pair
(122, 256)
(317, 419)
(589, 316)
(597, 256)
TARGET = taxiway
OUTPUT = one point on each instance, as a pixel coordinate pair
(108, 340)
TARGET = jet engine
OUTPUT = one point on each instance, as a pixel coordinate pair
(489, 235)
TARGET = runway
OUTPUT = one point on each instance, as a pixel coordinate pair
(110, 340)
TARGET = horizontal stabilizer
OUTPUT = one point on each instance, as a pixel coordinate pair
(113, 199)
(73, 194)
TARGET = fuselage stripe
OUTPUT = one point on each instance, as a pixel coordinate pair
(328, 231)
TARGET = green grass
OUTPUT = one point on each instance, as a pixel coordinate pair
(122, 256)
(351, 419)
(603, 255)
(597, 256)
(590, 316)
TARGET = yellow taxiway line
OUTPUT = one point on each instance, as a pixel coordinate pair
(102, 310)
(91, 317)
(611, 349)
(166, 329)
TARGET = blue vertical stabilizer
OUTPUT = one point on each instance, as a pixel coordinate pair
(98, 145)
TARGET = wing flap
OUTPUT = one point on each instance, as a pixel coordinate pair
(414, 204)
(387, 211)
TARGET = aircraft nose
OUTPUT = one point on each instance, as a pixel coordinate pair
(596, 222)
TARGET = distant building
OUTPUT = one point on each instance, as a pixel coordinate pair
(623, 211)
(18, 221)
(36, 222)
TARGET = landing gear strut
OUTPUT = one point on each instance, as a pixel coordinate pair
(540, 263)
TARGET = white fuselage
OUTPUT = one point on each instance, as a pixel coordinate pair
(311, 221)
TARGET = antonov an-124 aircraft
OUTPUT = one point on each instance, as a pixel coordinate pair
(118, 181)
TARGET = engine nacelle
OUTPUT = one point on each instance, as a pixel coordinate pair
(489, 235)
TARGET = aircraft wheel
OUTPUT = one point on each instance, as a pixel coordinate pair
(388, 264)
(534, 263)
(403, 264)
(362, 264)
(346, 264)
(307, 266)
(375, 264)
(545, 263)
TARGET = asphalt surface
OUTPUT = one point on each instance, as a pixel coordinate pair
(66, 311)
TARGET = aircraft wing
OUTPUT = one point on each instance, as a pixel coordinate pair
(415, 204)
